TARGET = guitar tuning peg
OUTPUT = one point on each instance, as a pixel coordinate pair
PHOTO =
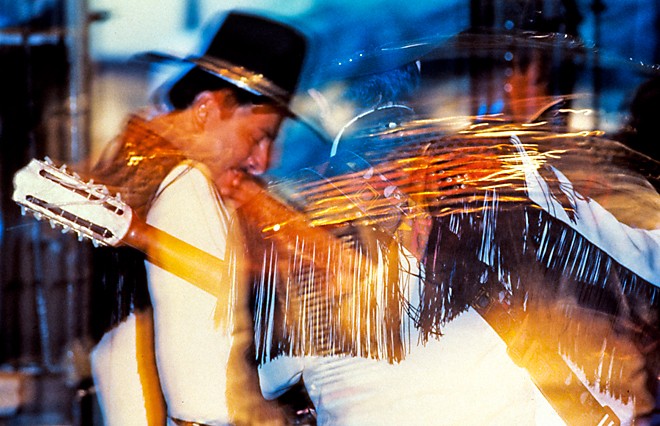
(118, 196)
(23, 211)
(95, 242)
(37, 215)
(52, 224)
(91, 182)
(76, 175)
(63, 168)
(105, 190)
(48, 161)
(80, 236)
(65, 229)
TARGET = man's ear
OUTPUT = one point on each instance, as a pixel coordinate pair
(219, 101)
(202, 106)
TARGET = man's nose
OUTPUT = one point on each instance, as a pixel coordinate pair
(257, 162)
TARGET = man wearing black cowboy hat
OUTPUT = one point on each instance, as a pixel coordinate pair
(171, 168)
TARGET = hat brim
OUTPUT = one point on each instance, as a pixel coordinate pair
(238, 76)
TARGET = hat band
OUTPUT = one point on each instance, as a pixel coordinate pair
(245, 79)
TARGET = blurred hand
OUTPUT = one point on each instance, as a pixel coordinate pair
(238, 186)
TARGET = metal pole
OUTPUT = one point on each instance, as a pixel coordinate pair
(77, 41)
(76, 258)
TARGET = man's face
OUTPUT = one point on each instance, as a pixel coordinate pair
(236, 138)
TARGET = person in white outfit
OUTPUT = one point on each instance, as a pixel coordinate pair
(224, 112)
(466, 375)
(463, 377)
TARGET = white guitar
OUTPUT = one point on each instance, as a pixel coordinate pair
(88, 209)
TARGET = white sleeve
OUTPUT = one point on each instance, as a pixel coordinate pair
(278, 375)
(635, 249)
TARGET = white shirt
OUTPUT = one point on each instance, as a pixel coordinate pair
(463, 378)
(191, 348)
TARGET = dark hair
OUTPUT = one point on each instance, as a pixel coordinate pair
(394, 85)
(640, 132)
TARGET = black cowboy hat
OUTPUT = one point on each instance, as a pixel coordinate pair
(253, 53)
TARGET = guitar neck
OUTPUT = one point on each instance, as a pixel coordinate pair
(88, 209)
(184, 260)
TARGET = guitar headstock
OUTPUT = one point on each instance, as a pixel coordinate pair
(65, 200)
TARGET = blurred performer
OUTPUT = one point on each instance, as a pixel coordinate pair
(582, 292)
(376, 366)
(600, 223)
(171, 168)
(515, 272)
